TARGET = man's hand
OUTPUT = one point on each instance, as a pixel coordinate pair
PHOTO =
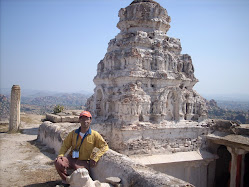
(59, 157)
(92, 163)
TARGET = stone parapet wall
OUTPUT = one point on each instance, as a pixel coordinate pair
(134, 139)
(53, 134)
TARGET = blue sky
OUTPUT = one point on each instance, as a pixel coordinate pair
(56, 44)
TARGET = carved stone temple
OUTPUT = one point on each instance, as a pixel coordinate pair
(143, 76)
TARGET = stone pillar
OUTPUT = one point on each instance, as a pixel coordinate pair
(15, 108)
(233, 166)
(242, 170)
(235, 152)
(204, 174)
(211, 173)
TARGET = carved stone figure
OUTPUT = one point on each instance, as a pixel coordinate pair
(81, 178)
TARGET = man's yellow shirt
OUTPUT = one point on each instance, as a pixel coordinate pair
(92, 140)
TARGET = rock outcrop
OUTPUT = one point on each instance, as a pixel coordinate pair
(143, 76)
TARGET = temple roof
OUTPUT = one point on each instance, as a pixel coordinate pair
(141, 1)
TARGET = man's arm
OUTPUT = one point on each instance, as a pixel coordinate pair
(67, 143)
(102, 146)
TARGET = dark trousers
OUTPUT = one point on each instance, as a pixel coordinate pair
(64, 163)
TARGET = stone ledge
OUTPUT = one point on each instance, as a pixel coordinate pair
(61, 119)
(131, 173)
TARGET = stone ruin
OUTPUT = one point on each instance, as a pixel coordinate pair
(71, 116)
(145, 107)
(143, 76)
(15, 105)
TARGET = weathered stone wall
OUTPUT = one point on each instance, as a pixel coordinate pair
(197, 173)
(131, 140)
(53, 134)
(196, 167)
(154, 138)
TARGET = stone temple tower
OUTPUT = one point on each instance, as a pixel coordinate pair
(143, 76)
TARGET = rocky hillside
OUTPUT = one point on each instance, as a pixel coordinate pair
(70, 100)
(4, 107)
(241, 115)
(234, 105)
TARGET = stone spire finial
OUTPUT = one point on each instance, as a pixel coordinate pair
(141, 1)
(143, 16)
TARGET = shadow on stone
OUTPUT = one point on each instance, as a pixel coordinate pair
(49, 152)
(45, 184)
(30, 131)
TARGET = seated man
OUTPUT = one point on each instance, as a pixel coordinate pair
(82, 141)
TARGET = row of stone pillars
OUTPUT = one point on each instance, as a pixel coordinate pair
(15, 104)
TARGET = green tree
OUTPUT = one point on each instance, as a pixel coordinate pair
(58, 109)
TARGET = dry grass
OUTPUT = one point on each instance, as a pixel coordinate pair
(26, 119)
(32, 118)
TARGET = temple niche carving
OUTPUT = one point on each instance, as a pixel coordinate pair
(143, 76)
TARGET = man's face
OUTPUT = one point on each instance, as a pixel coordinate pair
(85, 121)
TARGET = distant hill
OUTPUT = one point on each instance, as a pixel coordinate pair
(43, 104)
(227, 97)
(229, 110)
(74, 99)
(4, 107)
(41, 93)
(234, 105)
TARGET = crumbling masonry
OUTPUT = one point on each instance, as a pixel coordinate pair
(143, 76)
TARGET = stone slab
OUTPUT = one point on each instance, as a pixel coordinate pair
(231, 140)
(175, 157)
(62, 118)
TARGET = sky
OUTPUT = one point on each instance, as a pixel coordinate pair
(55, 45)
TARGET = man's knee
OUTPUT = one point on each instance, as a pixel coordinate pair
(56, 163)
(61, 163)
